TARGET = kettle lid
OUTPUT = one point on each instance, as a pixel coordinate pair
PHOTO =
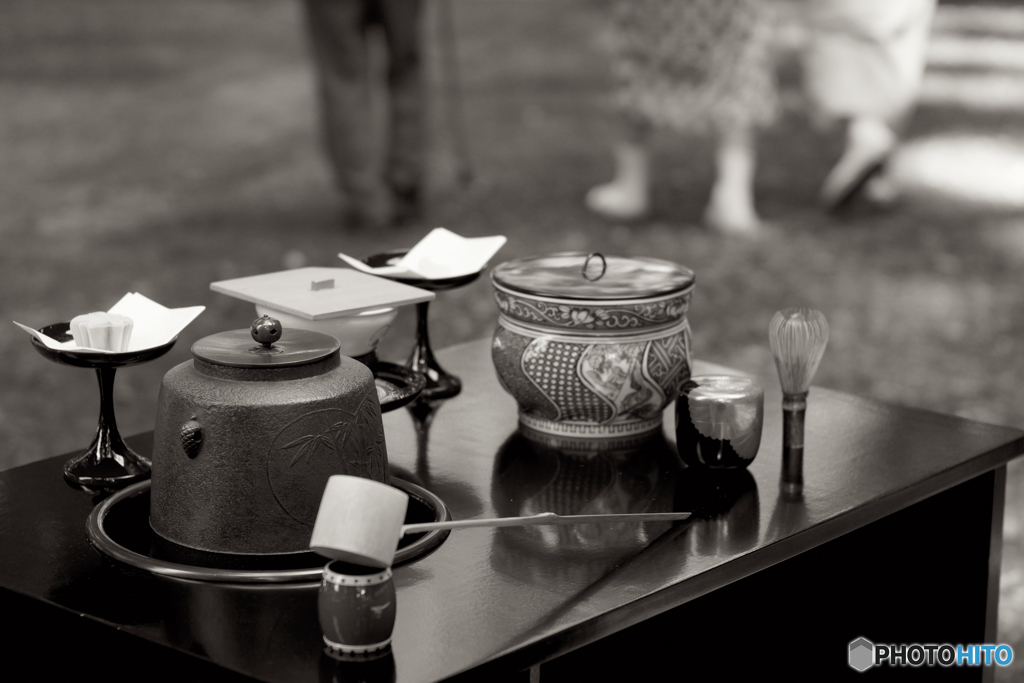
(265, 345)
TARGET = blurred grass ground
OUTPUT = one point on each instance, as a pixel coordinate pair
(156, 147)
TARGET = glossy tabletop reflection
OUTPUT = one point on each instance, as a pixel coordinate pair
(512, 597)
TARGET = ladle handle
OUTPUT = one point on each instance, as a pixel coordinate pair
(542, 519)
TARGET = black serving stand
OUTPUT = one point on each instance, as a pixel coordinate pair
(440, 383)
(108, 464)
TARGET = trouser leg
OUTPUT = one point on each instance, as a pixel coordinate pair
(405, 157)
(338, 43)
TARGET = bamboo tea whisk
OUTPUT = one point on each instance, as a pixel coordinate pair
(798, 337)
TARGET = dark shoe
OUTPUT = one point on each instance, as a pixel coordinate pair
(853, 187)
(363, 217)
(368, 204)
(406, 206)
(866, 154)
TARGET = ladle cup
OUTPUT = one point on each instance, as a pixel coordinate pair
(360, 521)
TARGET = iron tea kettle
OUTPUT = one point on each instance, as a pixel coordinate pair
(248, 433)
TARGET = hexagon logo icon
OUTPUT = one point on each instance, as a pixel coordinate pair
(862, 654)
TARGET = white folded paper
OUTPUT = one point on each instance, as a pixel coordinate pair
(154, 325)
(441, 254)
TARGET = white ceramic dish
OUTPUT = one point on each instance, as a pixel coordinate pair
(359, 334)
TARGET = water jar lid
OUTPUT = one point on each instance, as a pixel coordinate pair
(594, 277)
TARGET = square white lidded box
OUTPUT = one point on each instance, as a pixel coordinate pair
(355, 307)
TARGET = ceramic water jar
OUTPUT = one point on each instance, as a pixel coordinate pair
(592, 346)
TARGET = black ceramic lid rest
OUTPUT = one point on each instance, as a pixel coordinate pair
(237, 349)
(563, 276)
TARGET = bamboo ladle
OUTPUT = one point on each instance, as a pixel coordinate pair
(361, 521)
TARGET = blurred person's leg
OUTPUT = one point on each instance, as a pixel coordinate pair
(863, 65)
(731, 205)
(627, 196)
(697, 67)
(746, 102)
(405, 157)
(338, 42)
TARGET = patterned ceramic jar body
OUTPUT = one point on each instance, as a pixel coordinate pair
(596, 367)
(357, 608)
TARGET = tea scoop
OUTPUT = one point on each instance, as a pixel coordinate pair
(360, 521)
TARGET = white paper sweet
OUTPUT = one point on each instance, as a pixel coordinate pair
(101, 330)
(441, 254)
(154, 324)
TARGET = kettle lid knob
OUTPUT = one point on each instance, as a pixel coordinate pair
(266, 330)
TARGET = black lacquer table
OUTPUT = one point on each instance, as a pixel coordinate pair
(897, 538)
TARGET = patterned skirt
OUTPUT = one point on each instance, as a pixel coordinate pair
(685, 64)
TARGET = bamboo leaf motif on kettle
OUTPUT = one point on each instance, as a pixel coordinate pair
(312, 445)
(334, 438)
(307, 446)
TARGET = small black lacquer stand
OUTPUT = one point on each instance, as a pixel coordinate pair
(108, 464)
(440, 384)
